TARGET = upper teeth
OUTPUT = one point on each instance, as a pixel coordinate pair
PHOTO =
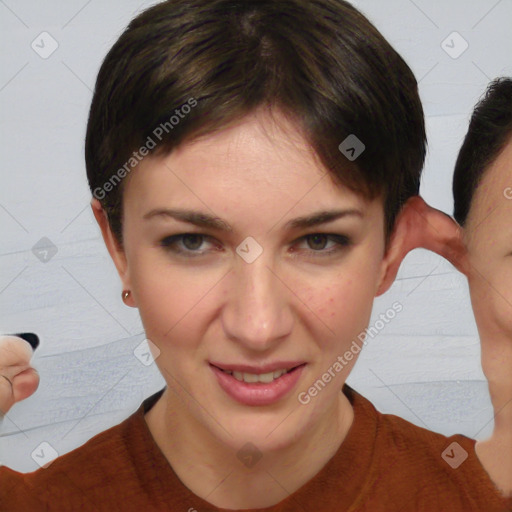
(252, 377)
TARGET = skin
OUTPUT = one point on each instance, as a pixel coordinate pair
(15, 355)
(488, 238)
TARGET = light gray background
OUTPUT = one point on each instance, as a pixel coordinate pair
(424, 366)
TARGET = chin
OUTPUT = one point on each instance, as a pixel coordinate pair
(268, 432)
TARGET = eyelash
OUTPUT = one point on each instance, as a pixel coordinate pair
(342, 242)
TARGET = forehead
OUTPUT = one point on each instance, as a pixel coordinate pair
(262, 159)
(492, 200)
(497, 178)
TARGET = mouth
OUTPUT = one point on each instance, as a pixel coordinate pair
(263, 376)
(261, 386)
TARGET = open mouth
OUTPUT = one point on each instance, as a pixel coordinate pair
(264, 378)
(259, 389)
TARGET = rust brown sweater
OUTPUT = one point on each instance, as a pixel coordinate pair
(384, 464)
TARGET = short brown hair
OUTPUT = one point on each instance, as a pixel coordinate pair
(321, 62)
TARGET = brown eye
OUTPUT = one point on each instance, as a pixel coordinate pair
(187, 244)
(318, 241)
(192, 241)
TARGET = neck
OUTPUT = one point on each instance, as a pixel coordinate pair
(212, 470)
(494, 453)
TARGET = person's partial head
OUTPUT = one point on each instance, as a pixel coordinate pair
(482, 191)
(235, 110)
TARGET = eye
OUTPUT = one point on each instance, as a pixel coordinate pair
(191, 242)
(188, 244)
(318, 242)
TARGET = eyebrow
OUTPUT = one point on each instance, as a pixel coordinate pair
(205, 220)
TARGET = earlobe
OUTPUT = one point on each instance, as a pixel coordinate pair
(116, 252)
(420, 226)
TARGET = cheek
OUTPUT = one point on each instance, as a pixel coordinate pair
(168, 297)
(500, 297)
(347, 305)
(175, 301)
(491, 295)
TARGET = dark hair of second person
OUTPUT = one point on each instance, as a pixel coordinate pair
(489, 131)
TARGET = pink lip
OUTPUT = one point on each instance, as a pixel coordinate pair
(257, 393)
(267, 368)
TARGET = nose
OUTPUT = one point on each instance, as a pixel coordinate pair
(257, 313)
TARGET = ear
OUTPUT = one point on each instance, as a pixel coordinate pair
(420, 225)
(115, 250)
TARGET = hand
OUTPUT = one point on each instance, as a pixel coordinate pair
(18, 380)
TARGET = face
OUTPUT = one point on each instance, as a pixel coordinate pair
(258, 291)
(488, 237)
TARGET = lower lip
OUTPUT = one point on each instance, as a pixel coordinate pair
(258, 393)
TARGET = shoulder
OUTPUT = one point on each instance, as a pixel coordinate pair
(430, 467)
(82, 468)
(398, 437)
(406, 439)
(97, 468)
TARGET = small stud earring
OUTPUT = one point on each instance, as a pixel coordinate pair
(126, 294)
